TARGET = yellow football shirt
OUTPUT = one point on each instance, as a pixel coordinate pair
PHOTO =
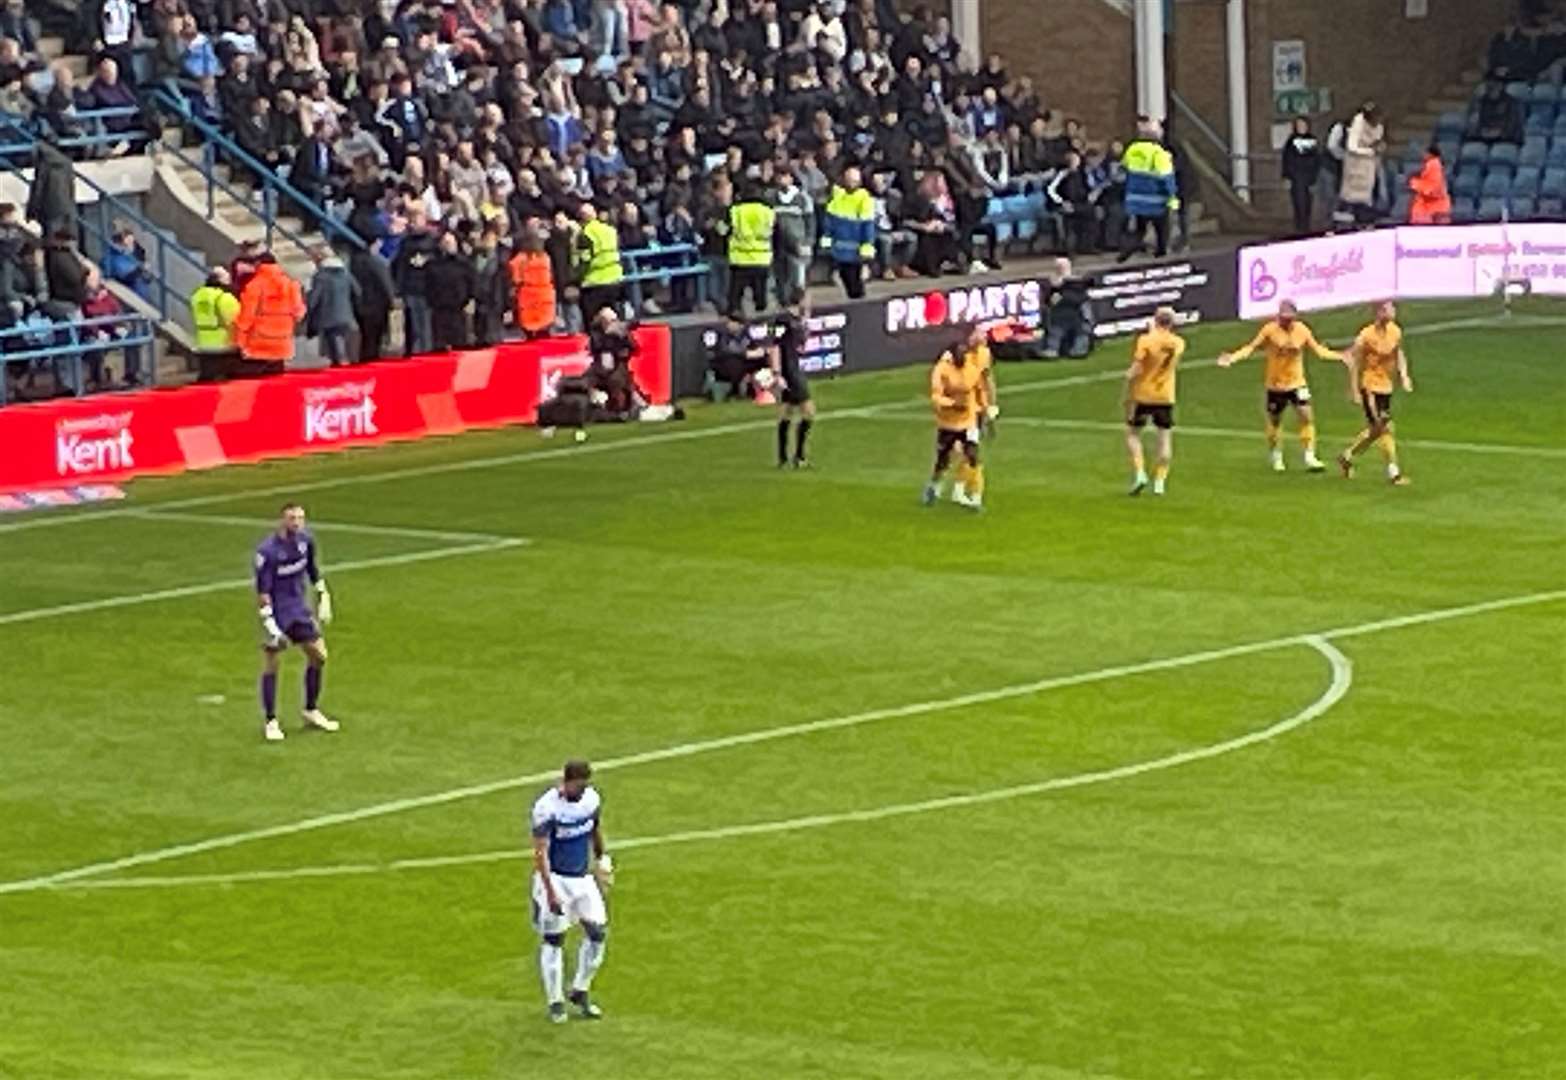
(1285, 352)
(1378, 347)
(955, 391)
(1157, 354)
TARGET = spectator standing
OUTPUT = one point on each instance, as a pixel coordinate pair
(116, 26)
(1150, 190)
(1301, 169)
(1362, 163)
(450, 282)
(410, 270)
(330, 306)
(751, 225)
(269, 312)
(1071, 194)
(64, 270)
(491, 288)
(850, 231)
(796, 237)
(1432, 204)
(373, 300)
(597, 258)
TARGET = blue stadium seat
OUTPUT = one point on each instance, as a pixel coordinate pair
(1548, 112)
(1553, 209)
(1497, 185)
(1030, 211)
(1524, 209)
(1401, 207)
(1553, 185)
(1534, 151)
(995, 211)
(1538, 124)
(1560, 128)
(1463, 210)
(1557, 156)
(1468, 183)
(1451, 124)
(1546, 93)
(1473, 153)
(1518, 90)
(1504, 154)
(1491, 209)
(1526, 182)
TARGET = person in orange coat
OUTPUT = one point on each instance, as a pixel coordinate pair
(1432, 205)
(534, 280)
(269, 312)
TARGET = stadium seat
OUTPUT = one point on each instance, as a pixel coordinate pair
(1560, 128)
(1451, 124)
(1524, 209)
(1463, 210)
(1504, 154)
(1545, 94)
(1497, 184)
(1518, 90)
(1535, 151)
(1526, 182)
(1401, 207)
(1468, 183)
(1557, 155)
(1538, 124)
(1548, 111)
(1491, 209)
(1552, 209)
(1473, 153)
(1553, 185)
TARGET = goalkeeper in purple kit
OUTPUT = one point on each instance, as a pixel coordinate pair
(286, 572)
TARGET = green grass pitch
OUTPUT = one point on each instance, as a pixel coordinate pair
(1032, 839)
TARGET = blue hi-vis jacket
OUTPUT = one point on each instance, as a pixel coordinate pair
(1150, 179)
(850, 226)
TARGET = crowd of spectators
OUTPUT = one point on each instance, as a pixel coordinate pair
(456, 136)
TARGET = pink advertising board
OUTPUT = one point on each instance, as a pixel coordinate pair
(1409, 262)
(1323, 272)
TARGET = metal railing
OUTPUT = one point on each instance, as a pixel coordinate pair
(99, 224)
(274, 189)
(1189, 115)
(92, 132)
(74, 343)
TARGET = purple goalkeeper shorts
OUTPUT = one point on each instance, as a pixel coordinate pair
(301, 631)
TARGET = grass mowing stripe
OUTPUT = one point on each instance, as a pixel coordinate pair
(555, 453)
(748, 738)
(110, 602)
(335, 526)
(1342, 678)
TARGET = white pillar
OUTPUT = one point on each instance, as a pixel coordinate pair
(1152, 92)
(1239, 102)
(966, 27)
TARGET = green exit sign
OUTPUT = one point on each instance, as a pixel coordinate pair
(1302, 102)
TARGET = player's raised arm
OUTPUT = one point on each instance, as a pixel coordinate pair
(1323, 352)
(1402, 370)
(1244, 352)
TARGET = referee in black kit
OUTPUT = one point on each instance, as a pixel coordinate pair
(788, 341)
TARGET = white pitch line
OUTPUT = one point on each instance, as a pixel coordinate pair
(1342, 679)
(691, 749)
(262, 523)
(655, 439)
(132, 599)
(1506, 449)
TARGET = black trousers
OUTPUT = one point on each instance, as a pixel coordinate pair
(449, 329)
(752, 278)
(372, 334)
(1136, 231)
(852, 275)
(1300, 196)
(597, 297)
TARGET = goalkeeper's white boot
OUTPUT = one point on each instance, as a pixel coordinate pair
(317, 719)
(273, 731)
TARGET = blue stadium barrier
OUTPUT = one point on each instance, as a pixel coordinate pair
(88, 131)
(67, 347)
(651, 264)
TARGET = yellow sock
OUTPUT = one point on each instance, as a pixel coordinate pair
(1161, 470)
(1308, 437)
(1272, 433)
(964, 476)
(976, 481)
(1388, 445)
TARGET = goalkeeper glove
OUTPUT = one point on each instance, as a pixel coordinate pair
(323, 602)
(275, 638)
(992, 412)
(604, 871)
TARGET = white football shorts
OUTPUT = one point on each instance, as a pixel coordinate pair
(580, 902)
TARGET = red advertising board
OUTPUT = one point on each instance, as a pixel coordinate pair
(118, 436)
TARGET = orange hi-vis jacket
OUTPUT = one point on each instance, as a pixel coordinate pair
(534, 280)
(269, 311)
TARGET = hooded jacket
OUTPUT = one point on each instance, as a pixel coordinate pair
(269, 312)
(333, 293)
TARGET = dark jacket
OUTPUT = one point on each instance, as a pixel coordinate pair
(1301, 160)
(376, 290)
(67, 276)
(331, 303)
(410, 270)
(450, 281)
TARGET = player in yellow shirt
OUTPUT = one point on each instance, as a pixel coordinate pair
(1377, 356)
(1283, 341)
(1150, 395)
(957, 393)
(983, 361)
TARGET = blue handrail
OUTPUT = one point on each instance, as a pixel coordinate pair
(37, 125)
(140, 334)
(273, 185)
